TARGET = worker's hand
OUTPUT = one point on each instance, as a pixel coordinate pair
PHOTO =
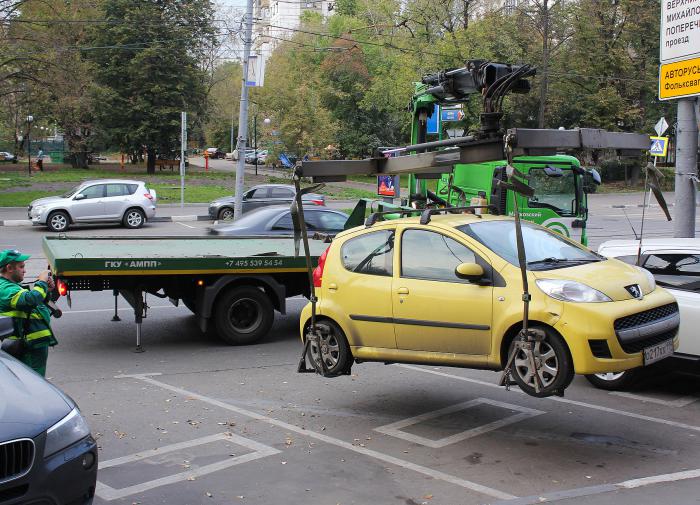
(51, 283)
(46, 277)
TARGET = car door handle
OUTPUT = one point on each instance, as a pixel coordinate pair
(333, 286)
(402, 291)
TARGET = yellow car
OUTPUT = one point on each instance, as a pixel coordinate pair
(448, 291)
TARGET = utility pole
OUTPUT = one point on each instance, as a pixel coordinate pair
(686, 168)
(243, 114)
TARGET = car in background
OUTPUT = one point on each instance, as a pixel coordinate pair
(47, 454)
(675, 264)
(256, 158)
(5, 156)
(128, 202)
(215, 153)
(278, 220)
(262, 195)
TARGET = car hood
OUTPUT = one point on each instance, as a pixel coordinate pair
(608, 276)
(46, 200)
(29, 404)
(225, 199)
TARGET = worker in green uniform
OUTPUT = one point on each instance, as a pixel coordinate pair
(30, 315)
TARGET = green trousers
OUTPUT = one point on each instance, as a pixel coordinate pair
(36, 359)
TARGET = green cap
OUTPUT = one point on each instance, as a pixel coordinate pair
(10, 256)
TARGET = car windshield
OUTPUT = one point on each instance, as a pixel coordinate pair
(71, 192)
(544, 249)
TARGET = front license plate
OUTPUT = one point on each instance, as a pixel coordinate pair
(658, 352)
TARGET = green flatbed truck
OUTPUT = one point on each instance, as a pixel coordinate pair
(234, 285)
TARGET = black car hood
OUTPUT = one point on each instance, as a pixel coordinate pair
(29, 404)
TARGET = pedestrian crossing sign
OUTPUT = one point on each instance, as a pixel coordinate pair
(659, 146)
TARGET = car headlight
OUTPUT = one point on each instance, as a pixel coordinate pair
(571, 291)
(650, 278)
(65, 432)
(38, 209)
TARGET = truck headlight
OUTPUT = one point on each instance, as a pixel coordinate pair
(65, 432)
(571, 291)
(650, 278)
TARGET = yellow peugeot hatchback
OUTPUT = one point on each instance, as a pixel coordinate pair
(448, 291)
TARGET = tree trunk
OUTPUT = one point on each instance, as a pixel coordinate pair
(545, 64)
(466, 14)
(151, 161)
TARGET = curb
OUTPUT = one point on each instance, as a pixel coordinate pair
(163, 219)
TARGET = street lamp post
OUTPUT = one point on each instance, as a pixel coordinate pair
(267, 122)
(255, 141)
(30, 118)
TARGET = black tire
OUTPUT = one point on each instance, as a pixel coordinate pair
(335, 350)
(225, 214)
(615, 381)
(58, 221)
(134, 218)
(190, 304)
(243, 315)
(557, 372)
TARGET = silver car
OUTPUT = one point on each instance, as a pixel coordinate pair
(262, 195)
(100, 201)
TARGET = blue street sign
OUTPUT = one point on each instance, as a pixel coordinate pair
(659, 145)
(452, 115)
(433, 121)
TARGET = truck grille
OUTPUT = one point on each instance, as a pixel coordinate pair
(16, 458)
(646, 317)
(654, 321)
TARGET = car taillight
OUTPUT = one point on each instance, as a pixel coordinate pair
(148, 195)
(318, 271)
(316, 202)
(61, 287)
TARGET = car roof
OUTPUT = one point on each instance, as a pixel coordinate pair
(616, 248)
(107, 181)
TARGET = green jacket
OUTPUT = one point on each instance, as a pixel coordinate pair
(20, 304)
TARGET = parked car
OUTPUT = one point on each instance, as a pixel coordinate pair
(47, 454)
(448, 292)
(261, 196)
(277, 220)
(675, 264)
(5, 156)
(215, 153)
(100, 201)
(251, 156)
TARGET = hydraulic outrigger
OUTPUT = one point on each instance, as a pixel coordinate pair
(490, 143)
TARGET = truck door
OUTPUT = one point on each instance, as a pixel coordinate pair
(88, 205)
(434, 310)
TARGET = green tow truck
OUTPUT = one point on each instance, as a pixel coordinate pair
(234, 285)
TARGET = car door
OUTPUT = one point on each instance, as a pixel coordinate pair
(116, 200)
(254, 199)
(88, 203)
(434, 310)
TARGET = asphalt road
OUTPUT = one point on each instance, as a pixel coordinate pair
(193, 421)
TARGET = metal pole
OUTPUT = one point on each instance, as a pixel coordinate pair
(686, 169)
(183, 142)
(243, 114)
(255, 141)
(231, 129)
(29, 148)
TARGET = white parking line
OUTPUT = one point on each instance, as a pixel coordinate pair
(435, 474)
(561, 400)
(678, 403)
(183, 224)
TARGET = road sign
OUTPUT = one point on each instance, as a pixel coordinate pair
(679, 79)
(433, 125)
(659, 146)
(680, 30)
(452, 115)
(660, 126)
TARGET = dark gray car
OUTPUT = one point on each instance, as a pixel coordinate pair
(261, 196)
(277, 220)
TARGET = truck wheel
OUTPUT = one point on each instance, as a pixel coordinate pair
(334, 351)
(614, 381)
(134, 218)
(556, 371)
(58, 221)
(243, 315)
(226, 214)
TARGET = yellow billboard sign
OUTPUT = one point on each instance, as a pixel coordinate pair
(679, 79)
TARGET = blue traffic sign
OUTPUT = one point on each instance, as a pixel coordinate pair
(659, 145)
(452, 115)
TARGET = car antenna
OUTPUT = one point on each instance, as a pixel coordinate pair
(636, 237)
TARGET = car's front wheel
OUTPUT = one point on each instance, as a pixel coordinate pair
(58, 221)
(134, 218)
(226, 214)
(553, 364)
(614, 381)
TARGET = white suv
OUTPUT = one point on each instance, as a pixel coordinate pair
(101, 201)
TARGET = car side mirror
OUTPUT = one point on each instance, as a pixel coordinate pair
(79, 196)
(469, 271)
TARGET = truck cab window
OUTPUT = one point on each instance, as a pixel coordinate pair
(556, 193)
(372, 253)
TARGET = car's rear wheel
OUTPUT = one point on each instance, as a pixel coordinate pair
(243, 315)
(134, 218)
(226, 214)
(58, 221)
(553, 362)
(614, 381)
(334, 349)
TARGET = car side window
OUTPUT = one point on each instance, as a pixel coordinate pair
(96, 191)
(676, 271)
(281, 193)
(131, 188)
(257, 193)
(284, 222)
(331, 220)
(116, 190)
(371, 253)
(432, 256)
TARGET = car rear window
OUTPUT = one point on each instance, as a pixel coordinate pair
(370, 253)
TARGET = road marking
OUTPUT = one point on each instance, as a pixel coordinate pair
(395, 429)
(109, 493)
(435, 474)
(562, 400)
(86, 311)
(680, 402)
(183, 224)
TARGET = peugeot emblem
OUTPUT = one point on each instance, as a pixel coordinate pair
(635, 291)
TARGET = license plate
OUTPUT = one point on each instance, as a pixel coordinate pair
(658, 352)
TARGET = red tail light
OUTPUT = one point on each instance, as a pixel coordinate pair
(316, 202)
(148, 195)
(318, 271)
(61, 287)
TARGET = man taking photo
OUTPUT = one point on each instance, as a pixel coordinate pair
(30, 315)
